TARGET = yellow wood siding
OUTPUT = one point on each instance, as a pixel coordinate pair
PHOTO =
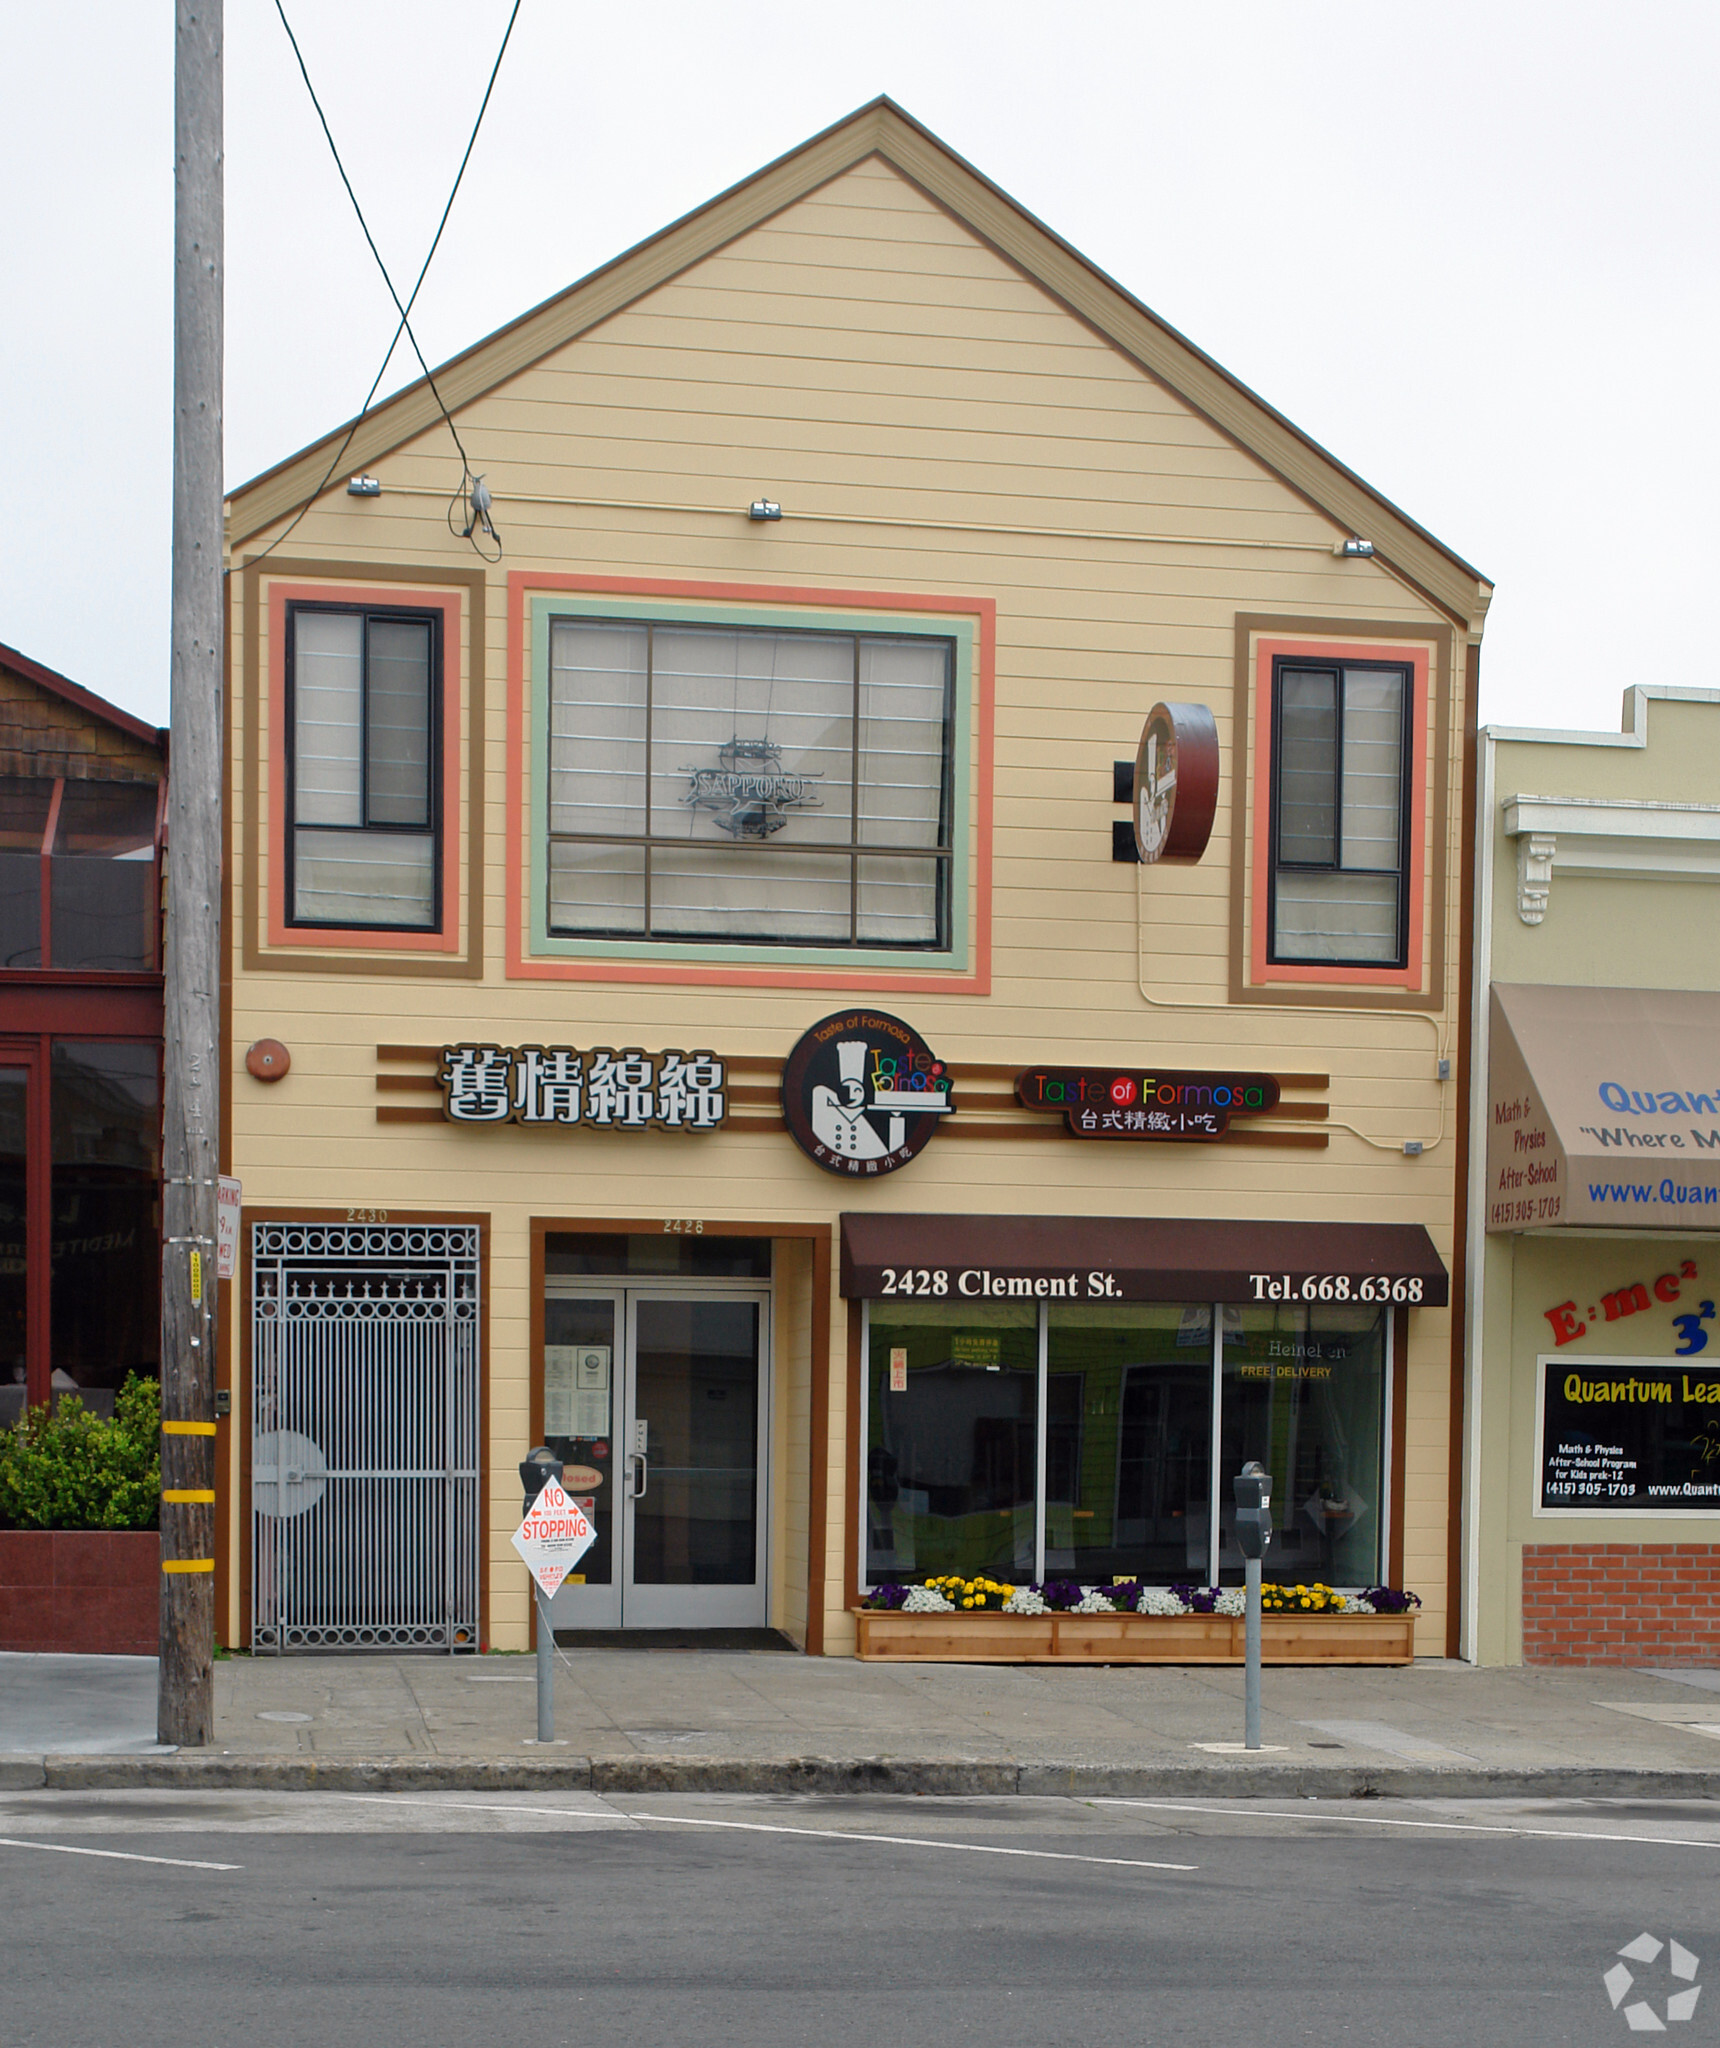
(931, 420)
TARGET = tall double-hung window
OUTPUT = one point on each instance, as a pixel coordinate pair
(1340, 813)
(363, 800)
(778, 787)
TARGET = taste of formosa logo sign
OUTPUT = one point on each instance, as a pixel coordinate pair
(602, 1089)
(862, 1093)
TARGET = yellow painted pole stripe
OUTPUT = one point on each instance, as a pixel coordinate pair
(187, 1564)
(188, 1429)
(189, 1495)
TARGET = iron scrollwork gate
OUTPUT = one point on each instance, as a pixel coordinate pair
(364, 1447)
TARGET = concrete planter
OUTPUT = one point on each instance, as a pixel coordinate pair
(897, 1638)
(90, 1590)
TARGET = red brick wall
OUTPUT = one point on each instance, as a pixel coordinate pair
(1621, 1603)
(80, 1589)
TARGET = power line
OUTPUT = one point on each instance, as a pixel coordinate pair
(405, 311)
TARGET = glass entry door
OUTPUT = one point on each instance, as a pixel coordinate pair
(654, 1400)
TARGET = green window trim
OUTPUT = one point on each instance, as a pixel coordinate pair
(956, 628)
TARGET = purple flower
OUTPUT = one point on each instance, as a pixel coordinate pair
(1383, 1600)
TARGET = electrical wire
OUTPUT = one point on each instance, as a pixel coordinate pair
(1281, 1010)
(405, 311)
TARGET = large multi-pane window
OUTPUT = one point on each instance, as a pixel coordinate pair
(738, 784)
(1099, 1441)
(363, 800)
(1340, 841)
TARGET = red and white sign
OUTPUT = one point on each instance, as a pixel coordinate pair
(554, 1536)
(226, 1228)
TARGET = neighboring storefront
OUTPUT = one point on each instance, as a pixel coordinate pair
(899, 1016)
(1593, 1482)
(82, 788)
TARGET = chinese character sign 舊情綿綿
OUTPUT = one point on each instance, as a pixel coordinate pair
(602, 1088)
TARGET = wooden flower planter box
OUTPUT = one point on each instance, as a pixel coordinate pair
(92, 1590)
(896, 1638)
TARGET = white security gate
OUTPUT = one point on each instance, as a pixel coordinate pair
(364, 1445)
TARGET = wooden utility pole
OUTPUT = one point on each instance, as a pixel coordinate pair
(185, 1711)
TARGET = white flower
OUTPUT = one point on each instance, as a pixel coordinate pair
(1092, 1601)
(1355, 1604)
(1024, 1600)
(923, 1600)
(1231, 1600)
(1158, 1600)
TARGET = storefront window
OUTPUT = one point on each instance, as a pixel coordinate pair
(1134, 1484)
(105, 1310)
(1304, 1392)
(953, 1414)
(1128, 1441)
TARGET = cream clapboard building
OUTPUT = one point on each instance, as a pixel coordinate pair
(1594, 1396)
(550, 850)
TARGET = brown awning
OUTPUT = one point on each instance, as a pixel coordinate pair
(1138, 1258)
(1603, 1106)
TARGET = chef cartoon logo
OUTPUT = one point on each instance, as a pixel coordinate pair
(862, 1093)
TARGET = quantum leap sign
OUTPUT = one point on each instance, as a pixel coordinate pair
(1635, 1436)
(1103, 1102)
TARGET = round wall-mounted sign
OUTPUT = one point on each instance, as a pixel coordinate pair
(1176, 782)
(268, 1060)
(863, 1093)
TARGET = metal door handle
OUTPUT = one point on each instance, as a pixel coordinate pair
(641, 1475)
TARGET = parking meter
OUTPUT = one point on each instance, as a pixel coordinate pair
(1253, 1485)
(537, 1468)
(1253, 1488)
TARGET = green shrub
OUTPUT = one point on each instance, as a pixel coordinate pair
(64, 1468)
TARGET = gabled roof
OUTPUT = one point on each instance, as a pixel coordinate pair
(882, 129)
(85, 700)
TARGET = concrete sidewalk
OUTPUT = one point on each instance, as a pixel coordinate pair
(764, 1720)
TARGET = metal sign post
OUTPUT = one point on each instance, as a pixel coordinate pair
(552, 1539)
(1253, 1488)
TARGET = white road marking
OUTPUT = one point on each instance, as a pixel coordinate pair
(118, 1855)
(607, 1818)
(1381, 1820)
(754, 1827)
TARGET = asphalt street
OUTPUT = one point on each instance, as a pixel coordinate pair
(334, 1919)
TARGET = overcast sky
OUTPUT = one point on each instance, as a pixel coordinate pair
(1469, 248)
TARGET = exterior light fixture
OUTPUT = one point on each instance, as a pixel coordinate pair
(1354, 549)
(363, 487)
(764, 508)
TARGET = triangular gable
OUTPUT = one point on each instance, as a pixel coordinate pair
(883, 129)
(51, 726)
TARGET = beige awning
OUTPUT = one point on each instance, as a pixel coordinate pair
(1603, 1107)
